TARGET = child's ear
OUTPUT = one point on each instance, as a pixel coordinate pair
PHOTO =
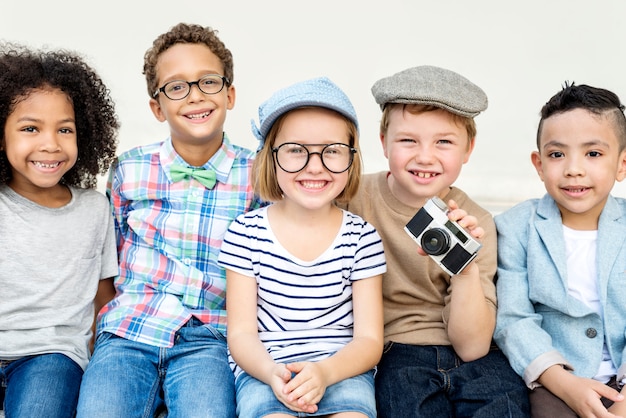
(230, 97)
(621, 166)
(156, 110)
(383, 142)
(535, 158)
(470, 148)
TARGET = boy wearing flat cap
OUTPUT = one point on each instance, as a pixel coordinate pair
(438, 359)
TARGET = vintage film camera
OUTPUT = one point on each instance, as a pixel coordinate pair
(443, 240)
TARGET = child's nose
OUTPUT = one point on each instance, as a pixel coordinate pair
(50, 142)
(195, 93)
(315, 162)
(424, 154)
(574, 167)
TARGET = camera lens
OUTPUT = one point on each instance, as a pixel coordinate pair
(435, 241)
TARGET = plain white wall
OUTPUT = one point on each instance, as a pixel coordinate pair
(520, 53)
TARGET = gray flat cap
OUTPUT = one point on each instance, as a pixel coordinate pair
(431, 85)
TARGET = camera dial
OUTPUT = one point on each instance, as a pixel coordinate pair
(435, 241)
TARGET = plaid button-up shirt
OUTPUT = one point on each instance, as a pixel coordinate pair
(169, 237)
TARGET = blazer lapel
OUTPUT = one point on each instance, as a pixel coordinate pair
(550, 230)
(611, 238)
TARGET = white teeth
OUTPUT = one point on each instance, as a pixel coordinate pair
(199, 115)
(313, 184)
(43, 165)
(425, 175)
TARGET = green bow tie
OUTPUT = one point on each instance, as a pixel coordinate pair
(205, 177)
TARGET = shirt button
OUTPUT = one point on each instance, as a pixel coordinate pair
(591, 333)
(187, 262)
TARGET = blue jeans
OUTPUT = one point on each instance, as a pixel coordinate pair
(356, 394)
(45, 385)
(130, 379)
(431, 381)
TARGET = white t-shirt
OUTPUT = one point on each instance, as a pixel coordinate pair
(582, 281)
(304, 308)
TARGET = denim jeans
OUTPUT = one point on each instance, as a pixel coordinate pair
(131, 379)
(45, 385)
(355, 394)
(432, 381)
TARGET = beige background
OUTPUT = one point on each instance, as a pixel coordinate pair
(519, 52)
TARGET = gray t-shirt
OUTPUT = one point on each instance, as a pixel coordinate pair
(51, 260)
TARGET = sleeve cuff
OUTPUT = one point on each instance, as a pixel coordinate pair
(541, 364)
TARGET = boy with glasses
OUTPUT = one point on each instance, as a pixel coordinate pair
(161, 341)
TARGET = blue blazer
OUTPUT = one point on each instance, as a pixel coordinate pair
(538, 323)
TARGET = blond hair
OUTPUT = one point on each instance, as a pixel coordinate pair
(416, 109)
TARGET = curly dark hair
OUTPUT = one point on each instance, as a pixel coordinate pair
(24, 71)
(184, 33)
(596, 100)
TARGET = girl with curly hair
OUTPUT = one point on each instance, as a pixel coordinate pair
(57, 240)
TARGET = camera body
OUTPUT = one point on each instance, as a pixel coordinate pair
(445, 241)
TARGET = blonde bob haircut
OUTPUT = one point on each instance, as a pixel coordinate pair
(416, 109)
(264, 168)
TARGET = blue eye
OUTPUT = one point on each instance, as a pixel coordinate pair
(295, 150)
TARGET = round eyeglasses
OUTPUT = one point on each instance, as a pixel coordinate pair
(179, 89)
(292, 157)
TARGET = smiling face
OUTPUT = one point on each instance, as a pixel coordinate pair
(579, 161)
(313, 187)
(196, 122)
(426, 152)
(40, 141)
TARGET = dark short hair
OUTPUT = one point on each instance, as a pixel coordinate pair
(184, 33)
(593, 99)
(24, 71)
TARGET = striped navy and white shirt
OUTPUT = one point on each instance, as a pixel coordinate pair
(304, 308)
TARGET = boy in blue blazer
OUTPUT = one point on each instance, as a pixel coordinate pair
(562, 262)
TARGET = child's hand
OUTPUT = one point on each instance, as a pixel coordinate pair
(280, 378)
(470, 223)
(307, 387)
(584, 398)
(579, 393)
(619, 406)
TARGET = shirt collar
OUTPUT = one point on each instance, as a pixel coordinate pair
(221, 162)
